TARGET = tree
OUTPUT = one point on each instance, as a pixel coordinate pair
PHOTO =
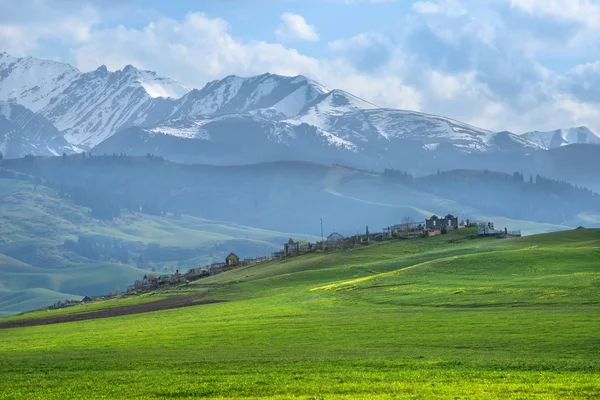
(517, 176)
(407, 223)
(1, 156)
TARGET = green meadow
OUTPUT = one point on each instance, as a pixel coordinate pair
(36, 270)
(449, 317)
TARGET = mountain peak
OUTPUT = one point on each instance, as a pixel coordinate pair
(563, 137)
(33, 82)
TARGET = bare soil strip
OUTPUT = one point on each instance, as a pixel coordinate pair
(163, 304)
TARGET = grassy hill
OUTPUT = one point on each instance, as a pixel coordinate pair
(36, 269)
(450, 317)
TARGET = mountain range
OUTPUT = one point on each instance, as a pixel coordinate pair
(51, 107)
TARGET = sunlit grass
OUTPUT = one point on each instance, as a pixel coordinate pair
(453, 317)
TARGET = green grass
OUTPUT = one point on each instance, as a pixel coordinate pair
(450, 317)
(36, 221)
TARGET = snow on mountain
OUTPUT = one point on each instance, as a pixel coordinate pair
(157, 86)
(563, 137)
(268, 94)
(367, 125)
(24, 132)
(99, 103)
(88, 107)
(32, 82)
(507, 141)
(329, 105)
(295, 115)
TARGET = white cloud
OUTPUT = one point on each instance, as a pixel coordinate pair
(586, 11)
(199, 49)
(24, 24)
(450, 8)
(294, 27)
(445, 86)
(480, 66)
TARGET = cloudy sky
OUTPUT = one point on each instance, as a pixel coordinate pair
(499, 64)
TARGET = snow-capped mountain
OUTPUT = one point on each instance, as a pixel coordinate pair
(563, 137)
(87, 107)
(274, 96)
(24, 132)
(249, 119)
(99, 103)
(32, 82)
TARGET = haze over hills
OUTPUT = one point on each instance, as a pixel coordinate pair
(52, 248)
(292, 196)
(239, 121)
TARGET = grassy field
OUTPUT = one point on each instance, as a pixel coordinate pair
(451, 317)
(35, 271)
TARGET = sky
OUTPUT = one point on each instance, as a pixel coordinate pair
(516, 65)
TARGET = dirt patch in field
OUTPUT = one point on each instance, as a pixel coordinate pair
(163, 304)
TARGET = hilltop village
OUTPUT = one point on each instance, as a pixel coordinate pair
(408, 229)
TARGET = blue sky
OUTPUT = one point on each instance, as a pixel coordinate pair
(514, 65)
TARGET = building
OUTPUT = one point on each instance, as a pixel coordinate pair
(232, 260)
(487, 229)
(291, 248)
(445, 224)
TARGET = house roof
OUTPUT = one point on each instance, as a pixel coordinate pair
(232, 255)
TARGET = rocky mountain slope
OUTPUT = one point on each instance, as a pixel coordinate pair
(240, 121)
(294, 117)
(24, 132)
(563, 137)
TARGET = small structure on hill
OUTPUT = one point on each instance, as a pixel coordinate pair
(294, 248)
(232, 260)
(291, 248)
(87, 299)
(445, 224)
(487, 229)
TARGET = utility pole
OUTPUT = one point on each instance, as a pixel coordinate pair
(322, 239)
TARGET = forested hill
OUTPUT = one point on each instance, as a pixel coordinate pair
(530, 198)
(293, 196)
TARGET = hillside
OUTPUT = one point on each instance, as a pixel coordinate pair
(293, 196)
(453, 316)
(37, 267)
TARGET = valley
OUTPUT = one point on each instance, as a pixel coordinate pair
(295, 200)
(77, 226)
(38, 269)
